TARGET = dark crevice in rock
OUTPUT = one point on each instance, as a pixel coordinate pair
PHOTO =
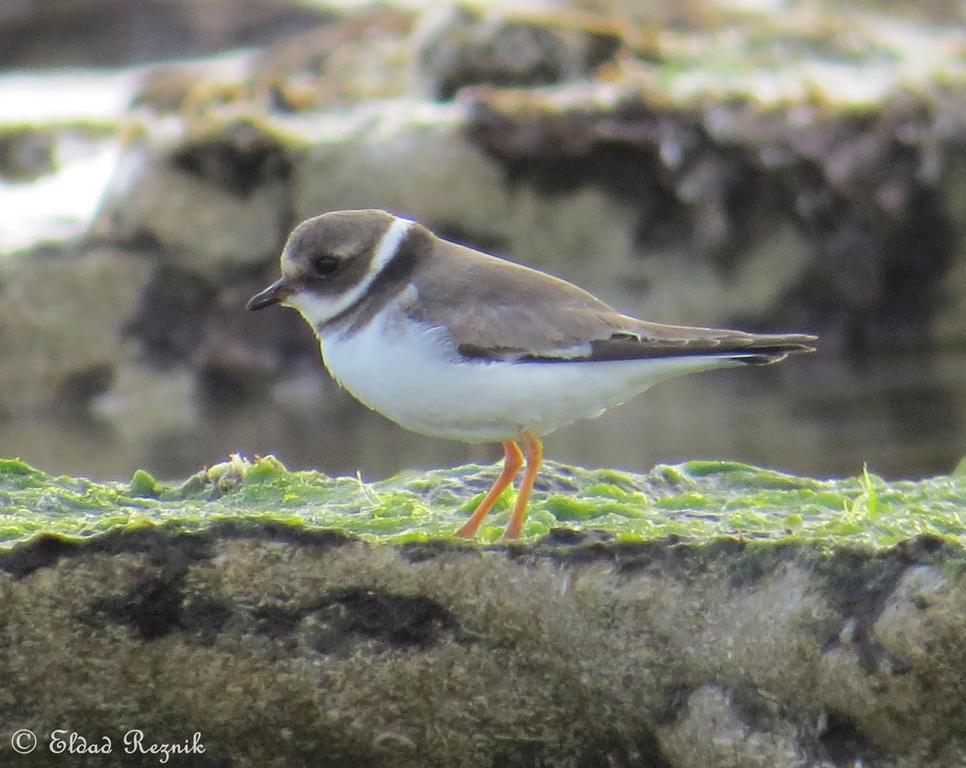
(844, 744)
(76, 390)
(395, 619)
(240, 159)
(151, 608)
(920, 548)
(41, 552)
(169, 548)
(858, 586)
(156, 605)
(339, 618)
(170, 315)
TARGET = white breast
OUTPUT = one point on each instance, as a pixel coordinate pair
(412, 374)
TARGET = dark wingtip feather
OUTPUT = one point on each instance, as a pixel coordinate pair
(762, 359)
(768, 350)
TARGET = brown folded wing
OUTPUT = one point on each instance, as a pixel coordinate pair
(497, 310)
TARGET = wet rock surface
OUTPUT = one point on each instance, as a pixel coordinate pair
(282, 644)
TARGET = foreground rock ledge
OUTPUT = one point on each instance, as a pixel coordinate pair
(284, 643)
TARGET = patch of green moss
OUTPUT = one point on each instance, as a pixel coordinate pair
(696, 501)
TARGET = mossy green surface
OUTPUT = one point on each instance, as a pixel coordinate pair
(695, 501)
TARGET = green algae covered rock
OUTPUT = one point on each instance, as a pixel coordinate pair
(697, 502)
(708, 614)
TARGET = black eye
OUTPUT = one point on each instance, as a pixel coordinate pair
(325, 265)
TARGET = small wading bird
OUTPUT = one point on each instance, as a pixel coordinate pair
(454, 343)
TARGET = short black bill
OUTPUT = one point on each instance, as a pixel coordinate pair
(276, 292)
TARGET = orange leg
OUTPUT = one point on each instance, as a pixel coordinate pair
(511, 466)
(533, 449)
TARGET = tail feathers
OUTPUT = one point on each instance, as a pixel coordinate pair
(747, 348)
(773, 348)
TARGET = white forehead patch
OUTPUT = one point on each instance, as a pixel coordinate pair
(318, 310)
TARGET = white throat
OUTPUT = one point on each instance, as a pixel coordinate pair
(318, 310)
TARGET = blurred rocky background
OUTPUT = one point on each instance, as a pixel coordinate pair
(784, 166)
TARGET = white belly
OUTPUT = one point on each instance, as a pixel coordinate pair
(413, 375)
